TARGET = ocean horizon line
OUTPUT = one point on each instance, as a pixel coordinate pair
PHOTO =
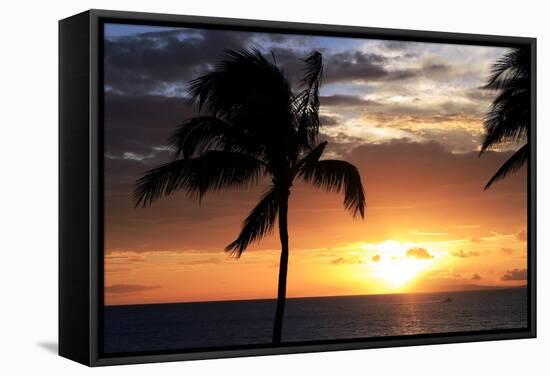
(473, 289)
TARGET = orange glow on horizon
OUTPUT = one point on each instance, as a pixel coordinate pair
(357, 268)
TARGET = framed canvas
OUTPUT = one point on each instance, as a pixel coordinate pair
(239, 187)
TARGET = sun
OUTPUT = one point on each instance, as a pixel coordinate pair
(399, 272)
(395, 268)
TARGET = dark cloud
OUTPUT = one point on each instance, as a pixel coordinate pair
(396, 45)
(327, 120)
(127, 289)
(436, 67)
(466, 254)
(138, 123)
(345, 100)
(476, 277)
(480, 94)
(419, 253)
(401, 75)
(351, 260)
(355, 60)
(360, 66)
(350, 65)
(515, 275)
(164, 61)
(435, 70)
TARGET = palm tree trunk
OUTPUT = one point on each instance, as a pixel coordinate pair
(283, 268)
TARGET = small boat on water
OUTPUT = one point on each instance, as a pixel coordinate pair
(448, 300)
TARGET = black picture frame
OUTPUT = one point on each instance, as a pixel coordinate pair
(81, 186)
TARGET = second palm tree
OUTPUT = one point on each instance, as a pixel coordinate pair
(509, 116)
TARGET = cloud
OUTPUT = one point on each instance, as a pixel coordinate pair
(468, 226)
(116, 270)
(396, 45)
(119, 258)
(349, 260)
(359, 66)
(376, 258)
(443, 274)
(128, 155)
(163, 62)
(345, 100)
(427, 233)
(127, 288)
(435, 68)
(138, 126)
(354, 65)
(146, 78)
(476, 239)
(211, 260)
(479, 94)
(515, 275)
(419, 253)
(476, 277)
(328, 120)
(522, 235)
(466, 254)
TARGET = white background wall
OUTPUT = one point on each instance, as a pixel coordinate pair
(28, 186)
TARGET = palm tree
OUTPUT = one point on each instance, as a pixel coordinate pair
(256, 127)
(509, 117)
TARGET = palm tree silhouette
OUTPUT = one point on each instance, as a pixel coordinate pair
(257, 127)
(509, 117)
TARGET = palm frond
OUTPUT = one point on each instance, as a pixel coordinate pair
(508, 118)
(514, 163)
(252, 94)
(306, 103)
(313, 71)
(509, 115)
(335, 176)
(510, 67)
(200, 134)
(259, 222)
(308, 161)
(215, 170)
(243, 84)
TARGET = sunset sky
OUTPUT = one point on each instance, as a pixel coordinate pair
(408, 115)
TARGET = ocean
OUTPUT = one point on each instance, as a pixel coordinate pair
(180, 326)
